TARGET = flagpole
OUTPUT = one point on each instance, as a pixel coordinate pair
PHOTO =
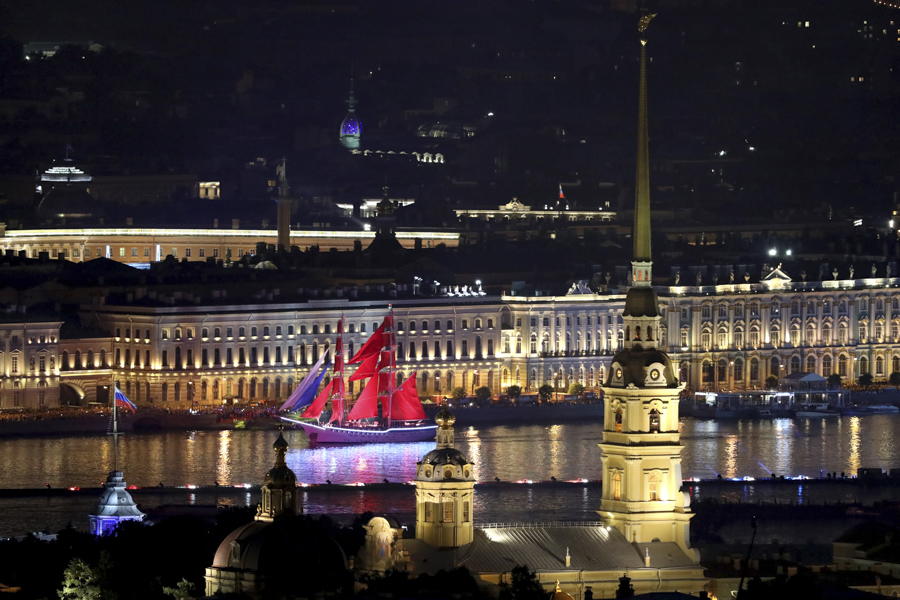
(115, 432)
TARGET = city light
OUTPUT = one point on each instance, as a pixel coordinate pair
(773, 252)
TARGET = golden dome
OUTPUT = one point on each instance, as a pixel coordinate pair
(445, 418)
(558, 594)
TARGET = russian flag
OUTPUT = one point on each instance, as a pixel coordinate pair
(561, 195)
(122, 401)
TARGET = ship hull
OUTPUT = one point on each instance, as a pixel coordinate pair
(329, 435)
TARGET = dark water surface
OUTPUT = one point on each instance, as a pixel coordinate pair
(752, 448)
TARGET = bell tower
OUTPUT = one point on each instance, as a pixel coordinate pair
(641, 448)
(445, 489)
(279, 491)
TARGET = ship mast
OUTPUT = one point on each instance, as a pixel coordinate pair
(392, 364)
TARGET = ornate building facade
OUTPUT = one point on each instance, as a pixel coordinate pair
(728, 336)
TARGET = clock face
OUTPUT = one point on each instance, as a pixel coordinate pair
(618, 373)
(654, 374)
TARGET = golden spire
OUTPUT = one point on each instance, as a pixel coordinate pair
(641, 249)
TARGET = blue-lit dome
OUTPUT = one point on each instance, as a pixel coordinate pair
(351, 127)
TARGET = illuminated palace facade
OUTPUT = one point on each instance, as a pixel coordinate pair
(725, 337)
(145, 245)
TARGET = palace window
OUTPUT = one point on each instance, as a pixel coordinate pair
(617, 486)
(738, 311)
(754, 369)
(738, 369)
(448, 512)
(826, 366)
(723, 311)
(707, 311)
(842, 366)
(879, 366)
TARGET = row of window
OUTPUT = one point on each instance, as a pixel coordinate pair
(793, 337)
(719, 371)
(795, 308)
(41, 364)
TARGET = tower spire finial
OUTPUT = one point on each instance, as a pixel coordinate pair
(642, 259)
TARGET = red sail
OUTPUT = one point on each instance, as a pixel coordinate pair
(367, 404)
(315, 409)
(337, 401)
(372, 346)
(368, 368)
(405, 404)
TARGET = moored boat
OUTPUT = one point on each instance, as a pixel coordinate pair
(816, 411)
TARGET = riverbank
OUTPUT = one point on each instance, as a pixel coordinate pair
(92, 422)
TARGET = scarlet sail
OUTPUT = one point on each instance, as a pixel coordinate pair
(399, 404)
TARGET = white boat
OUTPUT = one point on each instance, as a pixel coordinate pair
(816, 411)
(883, 409)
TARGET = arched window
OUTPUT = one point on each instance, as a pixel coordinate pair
(776, 366)
(879, 366)
(826, 366)
(277, 387)
(895, 364)
(826, 334)
(811, 364)
(795, 364)
(754, 369)
(619, 420)
(738, 369)
(863, 365)
(64, 363)
(722, 375)
(707, 372)
(810, 335)
(617, 486)
(654, 421)
(795, 334)
(842, 365)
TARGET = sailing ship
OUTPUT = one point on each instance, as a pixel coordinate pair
(401, 417)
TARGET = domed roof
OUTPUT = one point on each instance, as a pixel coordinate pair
(641, 302)
(280, 475)
(445, 419)
(558, 594)
(634, 363)
(116, 501)
(445, 456)
(351, 125)
(68, 202)
(290, 547)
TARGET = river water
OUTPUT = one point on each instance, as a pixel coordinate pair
(753, 448)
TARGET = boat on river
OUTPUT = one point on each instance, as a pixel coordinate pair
(816, 411)
(384, 412)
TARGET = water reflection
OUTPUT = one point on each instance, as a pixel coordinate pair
(569, 451)
(853, 463)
